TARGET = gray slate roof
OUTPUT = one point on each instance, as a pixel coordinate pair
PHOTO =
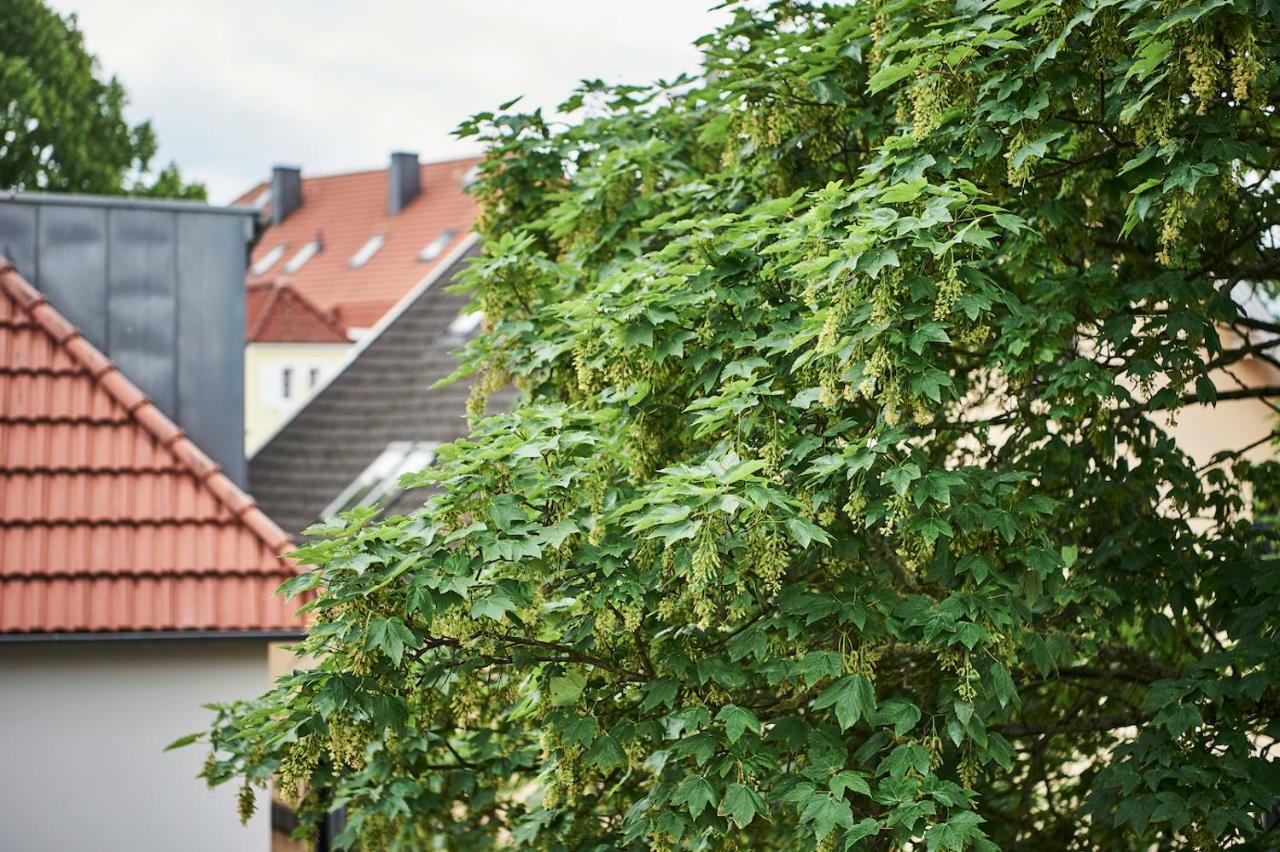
(383, 395)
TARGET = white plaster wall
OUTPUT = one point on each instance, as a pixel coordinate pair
(83, 726)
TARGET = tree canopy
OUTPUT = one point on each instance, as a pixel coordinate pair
(839, 505)
(62, 129)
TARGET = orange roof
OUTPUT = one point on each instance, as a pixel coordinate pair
(111, 519)
(278, 313)
(344, 212)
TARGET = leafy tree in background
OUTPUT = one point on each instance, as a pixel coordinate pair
(61, 128)
(839, 507)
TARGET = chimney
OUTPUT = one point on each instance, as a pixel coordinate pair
(402, 181)
(286, 192)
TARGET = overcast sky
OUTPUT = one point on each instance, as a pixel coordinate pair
(234, 86)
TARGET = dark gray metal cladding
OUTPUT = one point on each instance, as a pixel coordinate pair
(142, 301)
(156, 285)
(286, 192)
(404, 181)
(18, 237)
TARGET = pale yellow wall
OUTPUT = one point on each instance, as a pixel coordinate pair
(1203, 430)
(265, 408)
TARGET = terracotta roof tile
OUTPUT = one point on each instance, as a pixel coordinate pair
(345, 211)
(278, 313)
(111, 519)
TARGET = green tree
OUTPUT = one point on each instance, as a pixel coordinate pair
(839, 506)
(61, 128)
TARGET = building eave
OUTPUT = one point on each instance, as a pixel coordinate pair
(149, 636)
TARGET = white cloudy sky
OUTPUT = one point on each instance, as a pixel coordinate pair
(233, 86)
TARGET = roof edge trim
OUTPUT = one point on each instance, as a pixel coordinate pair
(131, 202)
(34, 638)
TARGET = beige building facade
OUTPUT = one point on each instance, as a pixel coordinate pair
(279, 378)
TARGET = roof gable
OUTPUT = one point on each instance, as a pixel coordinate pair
(278, 313)
(111, 519)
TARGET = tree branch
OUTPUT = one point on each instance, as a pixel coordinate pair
(1107, 722)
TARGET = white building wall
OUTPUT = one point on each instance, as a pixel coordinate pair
(83, 726)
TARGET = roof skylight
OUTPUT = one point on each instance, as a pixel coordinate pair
(435, 248)
(304, 254)
(366, 251)
(380, 481)
(465, 323)
(269, 259)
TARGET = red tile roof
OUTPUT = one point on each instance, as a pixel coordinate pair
(345, 211)
(278, 313)
(111, 519)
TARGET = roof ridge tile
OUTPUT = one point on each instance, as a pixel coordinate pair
(54, 323)
(89, 356)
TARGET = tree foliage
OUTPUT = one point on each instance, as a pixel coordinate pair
(839, 506)
(62, 129)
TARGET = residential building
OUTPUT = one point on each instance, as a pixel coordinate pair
(378, 416)
(334, 254)
(291, 347)
(354, 244)
(136, 584)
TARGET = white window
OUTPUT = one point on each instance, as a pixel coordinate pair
(435, 248)
(472, 175)
(380, 481)
(361, 257)
(269, 259)
(260, 200)
(465, 323)
(284, 387)
(304, 254)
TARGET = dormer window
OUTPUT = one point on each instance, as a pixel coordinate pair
(436, 247)
(269, 259)
(368, 250)
(304, 254)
